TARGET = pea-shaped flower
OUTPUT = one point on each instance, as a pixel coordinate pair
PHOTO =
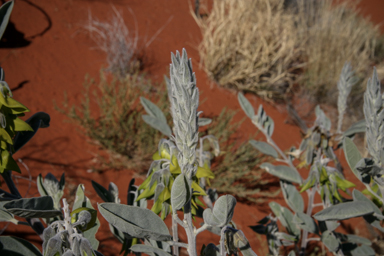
(161, 176)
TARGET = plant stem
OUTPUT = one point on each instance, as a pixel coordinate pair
(222, 241)
(175, 235)
(274, 145)
(190, 229)
(179, 244)
(304, 239)
(313, 239)
(201, 229)
(67, 220)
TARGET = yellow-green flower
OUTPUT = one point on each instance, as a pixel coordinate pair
(160, 184)
(10, 124)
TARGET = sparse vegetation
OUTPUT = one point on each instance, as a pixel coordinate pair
(117, 41)
(111, 116)
(280, 44)
(179, 172)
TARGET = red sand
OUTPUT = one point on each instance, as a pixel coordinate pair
(58, 57)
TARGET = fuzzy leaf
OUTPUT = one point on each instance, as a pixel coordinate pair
(149, 250)
(371, 219)
(269, 126)
(285, 216)
(222, 212)
(292, 196)
(344, 211)
(358, 196)
(8, 217)
(158, 124)
(357, 127)
(246, 105)
(17, 247)
(363, 250)
(40, 186)
(330, 241)
(352, 155)
(306, 223)
(5, 13)
(152, 109)
(283, 172)
(214, 143)
(82, 201)
(202, 121)
(264, 148)
(37, 207)
(135, 221)
(180, 193)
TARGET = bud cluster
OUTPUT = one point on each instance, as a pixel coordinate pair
(184, 97)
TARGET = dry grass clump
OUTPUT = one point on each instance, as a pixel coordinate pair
(114, 38)
(334, 34)
(249, 45)
(265, 46)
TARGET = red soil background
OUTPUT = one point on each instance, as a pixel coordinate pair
(51, 53)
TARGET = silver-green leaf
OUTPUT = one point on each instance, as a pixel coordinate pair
(344, 211)
(135, 221)
(357, 127)
(352, 155)
(222, 212)
(8, 217)
(330, 241)
(152, 109)
(5, 13)
(306, 223)
(292, 196)
(246, 106)
(283, 172)
(36, 207)
(264, 148)
(180, 192)
(159, 125)
(202, 121)
(16, 246)
(149, 250)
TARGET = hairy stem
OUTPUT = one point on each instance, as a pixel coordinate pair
(274, 145)
(67, 220)
(179, 244)
(222, 241)
(175, 235)
(190, 230)
(201, 229)
(304, 239)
